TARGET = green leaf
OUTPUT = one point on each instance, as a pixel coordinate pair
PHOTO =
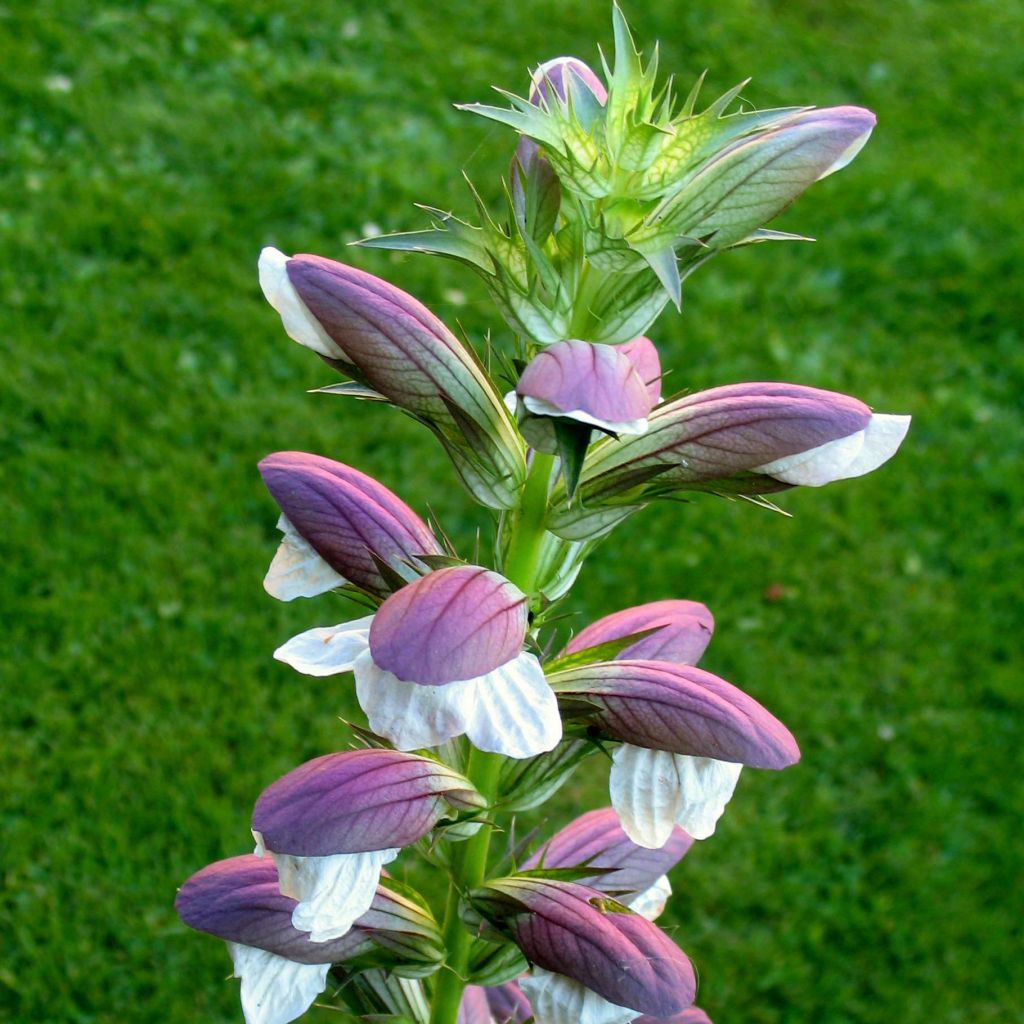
(572, 439)
(599, 652)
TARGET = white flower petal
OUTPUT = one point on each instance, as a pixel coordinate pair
(539, 407)
(515, 712)
(556, 999)
(332, 891)
(651, 902)
(651, 790)
(300, 325)
(275, 990)
(327, 650)
(408, 715)
(297, 570)
(845, 457)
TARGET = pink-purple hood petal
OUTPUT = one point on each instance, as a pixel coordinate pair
(239, 900)
(347, 517)
(596, 384)
(358, 801)
(682, 632)
(579, 932)
(453, 624)
(676, 708)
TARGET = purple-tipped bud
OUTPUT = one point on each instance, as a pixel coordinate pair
(239, 900)
(676, 708)
(591, 384)
(347, 517)
(456, 623)
(555, 75)
(395, 345)
(738, 439)
(682, 631)
(642, 353)
(358, 801)
(753, 179)
(596, 839)
(581, 933)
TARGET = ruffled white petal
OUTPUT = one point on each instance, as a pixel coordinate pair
(408, 715)
(539, 407)
(652, 790)
(300, 325)
(297, 570)
(275, 990)
(332, 891)
(651, 902)
(556, 999)
(510, 710)
(843, 458)
(327, 650)
(515, 712)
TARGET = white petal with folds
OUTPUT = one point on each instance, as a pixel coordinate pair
(541, 408)
(651, 902)
(299, 324)
(408, 715)
(556, 999)
(843, 458)
(275, 990)
(297, 570)
(510, 710)
(652, 790)
(327, 650)
(515, 712)
(332, 891)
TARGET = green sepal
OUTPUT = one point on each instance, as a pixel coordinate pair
(572, 440)
(527, 783)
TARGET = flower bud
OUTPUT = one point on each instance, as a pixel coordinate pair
(676, 708)
(578, 932)
(681, 632)
(596, 385)
(685, 736)
(442, 657)
(738, 439)
(752, 179)
(349, 520)
(281, 968)
(333, 822)
(396, 346)
(596, 840)
(507, 1003)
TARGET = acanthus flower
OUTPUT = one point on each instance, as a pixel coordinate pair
(440, 658)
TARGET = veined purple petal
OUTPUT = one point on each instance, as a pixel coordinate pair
(578, 932)
(642, 353)
(508, 1004)
(597, 839)
(453, 624)
(239, 900)
(714, 435)
(595, 384)
(683, 631)
(357, 801)
(680, 709)
(346, 516)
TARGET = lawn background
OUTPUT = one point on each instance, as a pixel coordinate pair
(150, 149)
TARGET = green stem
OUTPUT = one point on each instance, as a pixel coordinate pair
(469, 869)
(522, 556)
(469, 859)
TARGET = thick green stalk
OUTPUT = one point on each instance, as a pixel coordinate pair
(469, 860)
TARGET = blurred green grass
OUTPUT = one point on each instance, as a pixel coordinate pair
(150, 149)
